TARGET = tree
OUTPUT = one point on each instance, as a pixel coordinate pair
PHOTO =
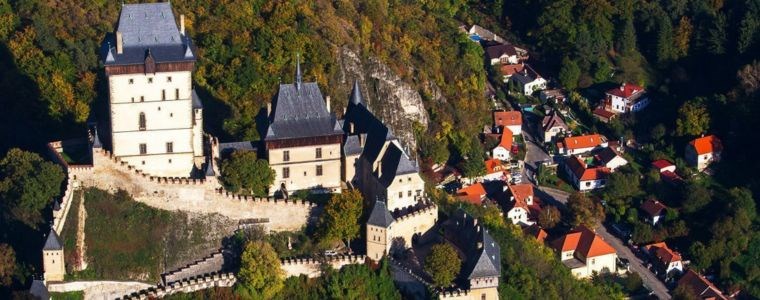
(569, 74)
(27, 185)
(7, 264)
(247, 174)
(549, 216)
(695, 197)
(442, 264)
(627, 38)
(693, 118)
(584, 210)
(665, 49)
(657, 133)
(622, 186)
(683, 37)
(260, 274)
(340, 219)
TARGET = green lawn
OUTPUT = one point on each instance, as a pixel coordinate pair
(69, 232)
(551, 179)
(128, 240)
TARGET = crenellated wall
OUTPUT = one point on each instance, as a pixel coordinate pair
(312, 267)
(184, 286)
(416, 221)
(474, 294)
(211, 264)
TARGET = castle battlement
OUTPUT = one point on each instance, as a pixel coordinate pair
(185, 286)
(210, 264)
(312, 267)
(415, 212)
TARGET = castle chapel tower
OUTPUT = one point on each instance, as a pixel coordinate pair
(156, 116)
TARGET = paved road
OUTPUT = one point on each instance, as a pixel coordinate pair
(533, 150)
(637, 265)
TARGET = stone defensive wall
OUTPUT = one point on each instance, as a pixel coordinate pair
(55, 149)
(178, 193)
(455, 295)
(211, 264)
(313, 268)
(184, 286)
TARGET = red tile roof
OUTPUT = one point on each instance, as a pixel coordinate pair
(626, 90)
(707, 144)
(653, 207)
(585, 242)
(494, 165)
(509, 70)
(506, 139)
(536, 232)
(583, 141)
(661, 164)
(579, 168)
(663, 252)
(473, 193)
(521, 192)
(600, 111)
(507, 118)
(700, 286)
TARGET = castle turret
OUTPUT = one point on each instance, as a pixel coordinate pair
(52, 258)
(379, 231)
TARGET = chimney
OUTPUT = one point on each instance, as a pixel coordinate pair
(379, 170)
(182, 24)
(351, 128)
(475, 223)
(327, 103)
(119, 43)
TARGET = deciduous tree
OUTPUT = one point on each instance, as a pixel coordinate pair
(247, 174)
(7, 264)
(693, 118)
(549, 216)
(584, 210)
(340, 219)
(27, 185)
(569, 74)
(260, 275)
(442, 264)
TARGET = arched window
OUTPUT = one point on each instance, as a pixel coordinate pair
(142, 121)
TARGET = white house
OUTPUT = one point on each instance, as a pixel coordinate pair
(667, 260)
(495, 170)
(521, 207)
(585, 177)
(627, 98)
(610, 158)
(502, 150)
(508, 119)
(584, 253)
(502, 54)
(552, 125)
(703, 151)
(581, 144)
(654, 210)
(529, 81)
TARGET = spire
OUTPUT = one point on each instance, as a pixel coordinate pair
(356, 93)
(298, 71)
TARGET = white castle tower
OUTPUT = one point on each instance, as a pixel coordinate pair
(156, 116)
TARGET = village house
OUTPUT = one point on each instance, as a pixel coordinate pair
(481, 261)
(529, 81)
(474, 193)
(156, 117)
(503, 149)
(581, 144)
(662, 165)
(535, 231)
(553, 125)
(585, 253)
(703, 151)
(610, 158)
(554, 95)
(479, 34)
(654, 211)
(495, 170)
(667, 261)
(508, 119)
(700, 286)
(303, 140)
(584, 174)
(502, 54)
(508, 70)
(521, 206)
(627, 98)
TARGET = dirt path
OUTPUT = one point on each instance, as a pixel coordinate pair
(81, 246)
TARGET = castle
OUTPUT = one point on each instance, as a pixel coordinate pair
(156, 116)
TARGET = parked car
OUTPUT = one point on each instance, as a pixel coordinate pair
(515, 149)
(624, 263)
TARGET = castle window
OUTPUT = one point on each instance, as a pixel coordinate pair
(133, 99)
(142, 98)
(150, 79)
(409, 194)
(168, 79)
(169, 148)
(482, 296)
(131, 81)
(143, 150)
(142, 121)
(176, 93)
(163, 94)
(170, 161)
(400, 194)
(319, 170)
(319, 152)
(285, 172)
(286, 155)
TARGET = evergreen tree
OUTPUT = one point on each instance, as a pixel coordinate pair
(569, 74)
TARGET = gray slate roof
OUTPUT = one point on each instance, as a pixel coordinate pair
(197, 104)
(479, 262)
(395, 162)
(352, 146)
(226, 149)
(301, 112)
(380, 215)
(148, 26)
(53, 242)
